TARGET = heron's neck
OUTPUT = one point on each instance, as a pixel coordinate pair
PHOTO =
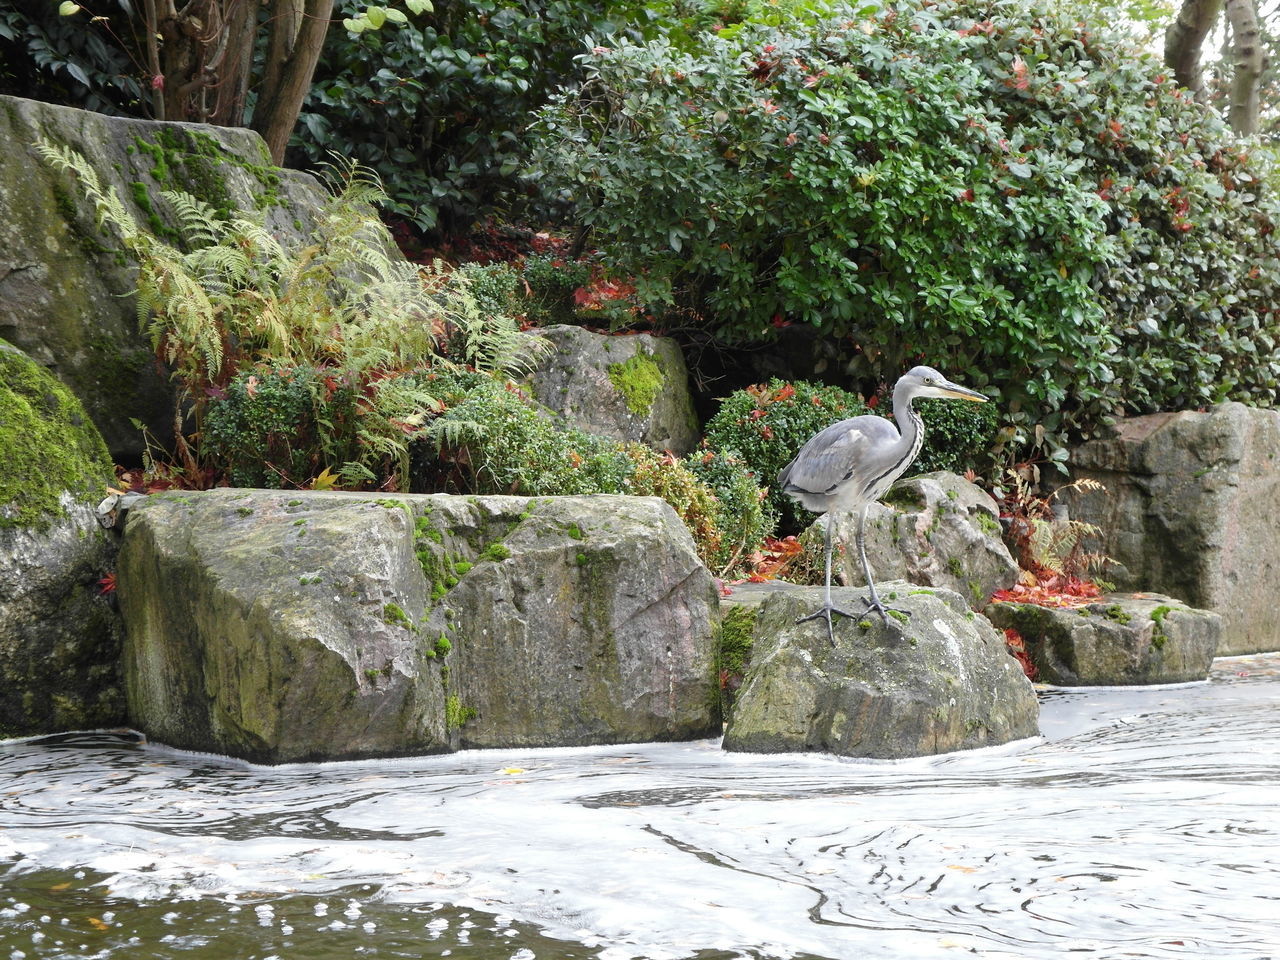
(909, 425)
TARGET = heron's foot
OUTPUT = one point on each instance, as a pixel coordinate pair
(825, 612)
(873, 603)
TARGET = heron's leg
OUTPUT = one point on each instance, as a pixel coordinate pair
(827, 608)
(874, 603)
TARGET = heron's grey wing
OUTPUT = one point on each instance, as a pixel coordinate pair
(832, 456)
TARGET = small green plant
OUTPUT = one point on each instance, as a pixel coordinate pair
(455, 714)
(393, 614)
(442, 646)
(495, 552)
(1117, 613)
(744, 516)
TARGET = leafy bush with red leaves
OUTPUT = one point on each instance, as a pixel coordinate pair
(1014, 190)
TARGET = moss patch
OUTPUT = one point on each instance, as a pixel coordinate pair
(49, 444)
(639, 380)
(734, 642)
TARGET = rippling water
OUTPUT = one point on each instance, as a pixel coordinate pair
(1143, 824)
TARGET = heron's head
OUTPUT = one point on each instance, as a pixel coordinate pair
(928, 382)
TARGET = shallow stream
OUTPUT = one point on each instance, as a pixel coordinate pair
(1144, 823)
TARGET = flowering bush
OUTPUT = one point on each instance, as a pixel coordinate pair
(1009, 189)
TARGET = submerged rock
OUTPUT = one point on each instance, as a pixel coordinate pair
(940, 681)
(59, 636)
(281, 626)
(629, 388)
(1123, 641)
(934, 530)
(1189, 510)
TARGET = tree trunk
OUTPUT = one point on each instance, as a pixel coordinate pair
(233, 62)
(298, 28)
(1185, 37)
(1249, 60)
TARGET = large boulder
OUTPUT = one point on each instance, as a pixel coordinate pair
(1189, 510)
(306, 626)
(933, 530)
(59, 635)
(630, 388)
(940, 680)
(1124, 640)
(65, 283)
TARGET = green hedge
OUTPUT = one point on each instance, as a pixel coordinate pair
(1009, 190)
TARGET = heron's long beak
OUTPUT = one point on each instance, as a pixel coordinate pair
(962, 393)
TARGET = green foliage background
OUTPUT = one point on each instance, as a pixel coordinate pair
(1009, 190)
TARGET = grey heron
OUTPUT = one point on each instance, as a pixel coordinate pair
(851, 464)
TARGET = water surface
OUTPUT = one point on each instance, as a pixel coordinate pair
(1143, 824)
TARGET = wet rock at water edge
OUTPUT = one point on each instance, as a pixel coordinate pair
(1190, 511)
(1122, 641)
(629, 388)
(280, 626)
(934, 530)
(938, 681)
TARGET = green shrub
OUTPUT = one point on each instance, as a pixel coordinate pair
(502, 445)
(439, 106)
(262, 429)
(1013, 191)
(492, 441)
(743, 513)
(957, 436)
(766, 425)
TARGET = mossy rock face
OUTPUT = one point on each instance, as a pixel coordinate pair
(935, 681)
(1189, 510)
(49, 446)
(59, 638)
(66, 285)
(413, 624)
(1125, 640)
(631, 388)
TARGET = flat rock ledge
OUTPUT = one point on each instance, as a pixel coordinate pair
(941, 681)
(301, 626)
(1125, 640)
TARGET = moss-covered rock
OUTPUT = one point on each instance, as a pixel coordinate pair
(65, 283)
(937, 681)
(631, 388)
(1122, 641)
(934, 530)
(291, 626)
(59, 638)
(49, 446)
